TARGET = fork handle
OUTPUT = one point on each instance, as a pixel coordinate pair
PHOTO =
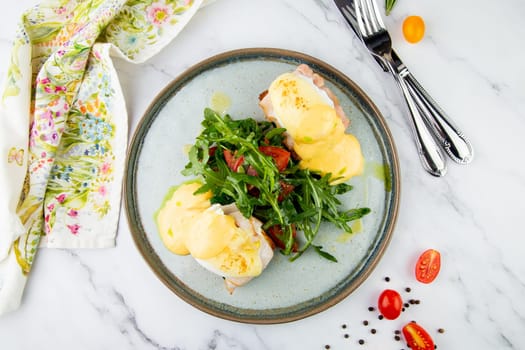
(429, 152)
(454, 142)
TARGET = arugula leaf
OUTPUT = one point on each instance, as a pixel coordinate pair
(324, 254)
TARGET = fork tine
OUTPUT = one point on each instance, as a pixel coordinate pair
(374, 11)
(349, 11)
(364, 25)
(369, 16)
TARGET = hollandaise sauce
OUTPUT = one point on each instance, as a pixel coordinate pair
(318, 133)
(220, 102)
(189, 224)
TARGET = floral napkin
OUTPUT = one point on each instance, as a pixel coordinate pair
(63, 125)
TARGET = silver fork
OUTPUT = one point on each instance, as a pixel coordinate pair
(449, 136)
(378, 41)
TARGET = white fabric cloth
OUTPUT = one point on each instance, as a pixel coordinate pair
(63, 125)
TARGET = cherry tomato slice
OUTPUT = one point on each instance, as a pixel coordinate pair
(286, 189)
(233, 162)
(390, 304)
(280, 155)
(212, 150)
(417, 338)
(428, 265)
(276, 234)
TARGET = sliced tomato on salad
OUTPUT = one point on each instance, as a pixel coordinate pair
(232, 161)
(212, 150)
(276, 234)
(286, 189)
(279, 155)
(417, 337)
(428, 266)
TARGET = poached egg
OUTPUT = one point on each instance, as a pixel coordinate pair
(219, 237)
(315, 124)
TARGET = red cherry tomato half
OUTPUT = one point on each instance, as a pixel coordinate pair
(277, 236)
(417, 338)
(212, 150)
(280, 155)
(390, 304)
(233, 162)
(286, 189)
(428, 265)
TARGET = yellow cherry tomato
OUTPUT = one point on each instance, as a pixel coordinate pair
(413, 29)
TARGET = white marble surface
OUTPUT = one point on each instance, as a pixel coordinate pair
(471, 61)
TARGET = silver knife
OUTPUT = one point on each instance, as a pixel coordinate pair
(453, 141)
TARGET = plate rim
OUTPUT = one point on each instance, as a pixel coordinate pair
(135, 223)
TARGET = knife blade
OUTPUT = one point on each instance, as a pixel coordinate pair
(453, 141)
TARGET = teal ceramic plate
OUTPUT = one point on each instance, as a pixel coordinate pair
(285, 291)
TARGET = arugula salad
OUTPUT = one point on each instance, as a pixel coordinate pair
(247, 163)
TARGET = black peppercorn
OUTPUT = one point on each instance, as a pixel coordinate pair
(361, 341)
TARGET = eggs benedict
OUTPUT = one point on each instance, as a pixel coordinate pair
(315, 124)
(219, 237)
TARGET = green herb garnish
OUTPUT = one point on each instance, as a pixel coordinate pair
(389, 5)
(257, 186)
